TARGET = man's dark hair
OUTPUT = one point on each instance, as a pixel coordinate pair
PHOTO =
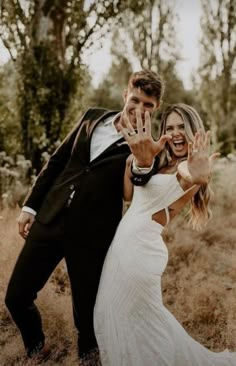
(148, 81)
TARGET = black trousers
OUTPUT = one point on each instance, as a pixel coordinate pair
(44, 248)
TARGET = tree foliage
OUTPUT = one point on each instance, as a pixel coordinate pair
(149, 43)
(109, 93)
(9, 125)
(218, 70)
(152, 37)
(46, 38)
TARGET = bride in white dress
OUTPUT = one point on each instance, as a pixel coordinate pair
(132, 326)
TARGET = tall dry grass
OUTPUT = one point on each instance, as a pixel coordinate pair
(198, 285)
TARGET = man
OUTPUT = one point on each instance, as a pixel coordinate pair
(74, 207)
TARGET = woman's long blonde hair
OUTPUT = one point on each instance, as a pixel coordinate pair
(199, 212)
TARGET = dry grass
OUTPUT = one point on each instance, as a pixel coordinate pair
(198, 285)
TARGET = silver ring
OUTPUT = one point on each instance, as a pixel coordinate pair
(195, 151)
(132, 133)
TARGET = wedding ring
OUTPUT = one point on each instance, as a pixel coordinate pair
(132, 133)
(195, 151)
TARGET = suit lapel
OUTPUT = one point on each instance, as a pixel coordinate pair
(118, 147)
(94, 123)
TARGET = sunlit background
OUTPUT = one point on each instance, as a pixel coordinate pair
(188, 33)
(58, 58)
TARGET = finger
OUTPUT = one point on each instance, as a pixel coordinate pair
(159, 145)
(196, 140)
(207, 139)
(127, 122)
(214, 156)
(212, 159)
(164, 138)
(147, 125)
(29, 225)
(194, 143)
(139, 121)
(190, 150)
(201, 136)
(125, 133)
(21, 227)
(26, 232)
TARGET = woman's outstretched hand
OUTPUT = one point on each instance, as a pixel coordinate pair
(199, 163)
(140, 140)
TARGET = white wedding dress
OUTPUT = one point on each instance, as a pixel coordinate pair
(132, 326)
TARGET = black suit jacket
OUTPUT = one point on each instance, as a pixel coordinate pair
(98, 185)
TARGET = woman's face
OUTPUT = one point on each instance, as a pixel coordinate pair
(175, 128)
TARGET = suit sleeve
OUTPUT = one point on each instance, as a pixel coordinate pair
(52, 169)
(142, 179)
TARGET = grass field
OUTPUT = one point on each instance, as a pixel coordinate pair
(199, 284)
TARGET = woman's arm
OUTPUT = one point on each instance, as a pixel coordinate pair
(128, 185)
(175, 207)
(195, 171)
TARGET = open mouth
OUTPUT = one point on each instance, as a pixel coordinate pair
(179, 144)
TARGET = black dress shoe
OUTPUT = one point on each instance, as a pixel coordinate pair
(41, 356)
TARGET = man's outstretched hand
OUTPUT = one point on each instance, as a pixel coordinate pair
(142, 145)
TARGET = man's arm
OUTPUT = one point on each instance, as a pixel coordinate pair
(52, 169)
(140, 176)
(143, 147)
(48, 174)
(136, 176)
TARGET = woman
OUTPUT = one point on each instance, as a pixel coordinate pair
(132, 326)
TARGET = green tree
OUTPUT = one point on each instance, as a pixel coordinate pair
(152, 37)
(218, 70)
(47, 38)
(151, 43)
(9, 123)
(109, 93)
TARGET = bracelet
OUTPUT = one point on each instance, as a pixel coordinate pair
(142, 169)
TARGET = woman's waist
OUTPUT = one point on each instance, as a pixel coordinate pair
(141, 219)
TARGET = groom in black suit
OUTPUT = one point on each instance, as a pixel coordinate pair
(73, 209)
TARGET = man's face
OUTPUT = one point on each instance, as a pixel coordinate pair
(136, 99)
